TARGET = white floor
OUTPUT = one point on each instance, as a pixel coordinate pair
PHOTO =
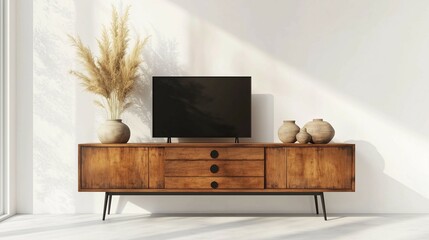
(126, 226)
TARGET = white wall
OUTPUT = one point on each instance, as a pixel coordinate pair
(361, 65)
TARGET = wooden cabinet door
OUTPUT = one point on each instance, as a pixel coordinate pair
(114, 168)
(275, 167)
(320, 168)
(156, 168)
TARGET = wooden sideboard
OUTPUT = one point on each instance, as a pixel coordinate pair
(216, 169)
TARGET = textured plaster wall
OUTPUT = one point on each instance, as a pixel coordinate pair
(361, 65)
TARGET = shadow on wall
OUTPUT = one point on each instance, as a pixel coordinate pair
(262, 122)
(158, 61)
(371, 185)
(262, 118)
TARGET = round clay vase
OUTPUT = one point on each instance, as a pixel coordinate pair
(287, 132)
(320, 131)
(113, 131)
(303, 136)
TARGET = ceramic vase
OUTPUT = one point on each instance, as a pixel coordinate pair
(303, 136)
(287, 132)
(320, 131)
(113, 131)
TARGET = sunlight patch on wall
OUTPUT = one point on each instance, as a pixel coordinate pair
(54, 149)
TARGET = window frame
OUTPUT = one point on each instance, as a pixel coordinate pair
(7, 101)
(2, 110)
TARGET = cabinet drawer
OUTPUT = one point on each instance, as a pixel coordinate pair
(221, 153)
(214, 182)
(215, 168)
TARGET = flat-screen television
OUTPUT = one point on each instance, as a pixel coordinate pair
(201, 107)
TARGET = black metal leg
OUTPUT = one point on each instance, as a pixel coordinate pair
(317, 205)
(323, 206)
(110, 204)
(105, 205)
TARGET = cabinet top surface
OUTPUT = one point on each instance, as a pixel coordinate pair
(178, 145)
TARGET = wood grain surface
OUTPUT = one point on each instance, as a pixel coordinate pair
(223, 182)
(201, 168)
(275, 160)
(114, 168)
(156, 168)
(225, 153)
(258, 167)
(318, 167)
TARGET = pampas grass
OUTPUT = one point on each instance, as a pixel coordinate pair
(111, 75)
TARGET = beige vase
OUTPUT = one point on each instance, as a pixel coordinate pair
(303, 136)
(113, 131)
(320, 131)
(287, 132)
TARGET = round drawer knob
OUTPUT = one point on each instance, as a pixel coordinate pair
(214, 185)
(214, 168)
(214, 154)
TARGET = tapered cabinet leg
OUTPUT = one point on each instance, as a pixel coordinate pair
(322, 197)
(317, 205)
(110, 204)
(106, 196)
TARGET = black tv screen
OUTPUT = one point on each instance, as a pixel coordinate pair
(201, 107)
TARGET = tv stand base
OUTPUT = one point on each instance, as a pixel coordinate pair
(108, 197)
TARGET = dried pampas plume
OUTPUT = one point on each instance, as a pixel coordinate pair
(111, 75)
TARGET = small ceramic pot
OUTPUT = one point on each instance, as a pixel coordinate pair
(287, 132)
(320, 131)
(303, 136)
(113, 131)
